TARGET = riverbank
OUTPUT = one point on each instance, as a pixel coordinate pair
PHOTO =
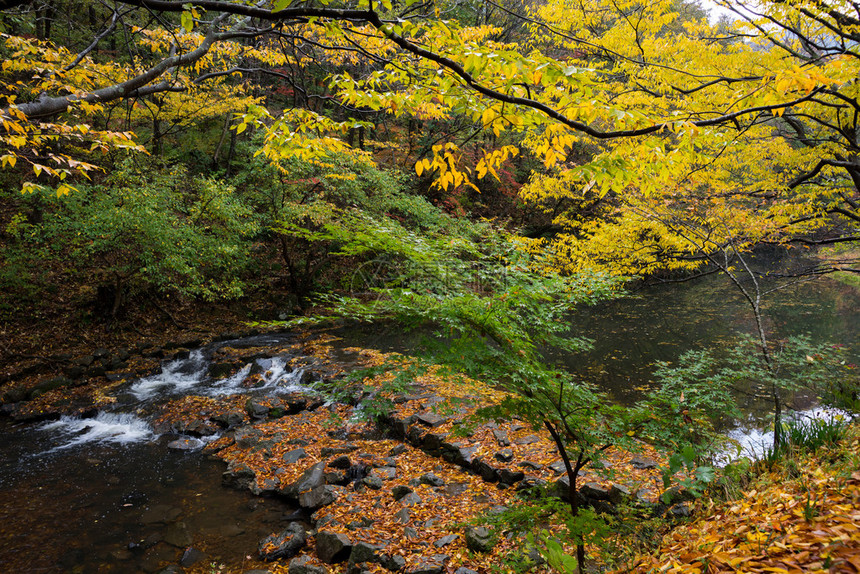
(802, 515)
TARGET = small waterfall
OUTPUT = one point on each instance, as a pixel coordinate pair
(177, 376)
(119, 428)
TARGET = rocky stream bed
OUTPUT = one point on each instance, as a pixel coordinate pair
(329, 491)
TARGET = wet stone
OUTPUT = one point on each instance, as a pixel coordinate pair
(501, 437)
(384, 472)
(403, 516)
(365, 552)
(431, 479)
(247, 437)
(319, 496)
(430, 565)
(191, 556)
(303, 565)
(332, 547)
(504, 455)
(400, 491)
(594, 491)
(445, 540)
(284, 544)
(507, 476)
(397, 450)
(619, 493)
(642, 463)
(479, 539)
(372, 482)
(328, 451)
(410, 499)
(294, 455)
(431, 419)
(530, 439)
(341, 462)
(177, 534)
(184, 444)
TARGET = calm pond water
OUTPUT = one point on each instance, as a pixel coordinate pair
(660, 323)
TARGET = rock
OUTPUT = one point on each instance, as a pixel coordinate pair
(485, 471)
(464, 456)
(185, 444)
(410, 533)
(400, 491)
(247, 437)
(50, 385)
(479, 539)
(228, 420)
(341, 462)
(403, 516)
(558, 467)
(530, 482)
(410, 499)
(618, 494)
(303, 565)
(372, 482)
(395, 563)
(384, 472)
(294, 455)
(328, 451)
(319, 496)
(340, 477)
(602, 506)
(681, 510)
(531, 465)
(255, 409)
(238, 476)
(430, 565)
(445, 540)
(416, 436)
(397, 450)
(501, 437)
(312, 478)
(530, 439)
(433, 442)
(431, 420)
(266, 486)
(365, 552)
(464, 570)
(431, 479)
(177, 534)
(332, 547)
(190, 557)
(642, 463)
(504, 455)
(594, 491)
(284, 544)
(507, 476)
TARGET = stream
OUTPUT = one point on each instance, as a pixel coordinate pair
(105, 494)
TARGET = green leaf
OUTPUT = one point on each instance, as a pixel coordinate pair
(187, 21)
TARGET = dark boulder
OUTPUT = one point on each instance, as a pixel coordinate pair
(285, 544)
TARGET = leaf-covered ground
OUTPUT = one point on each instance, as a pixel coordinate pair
(803, 515)
(434, 523)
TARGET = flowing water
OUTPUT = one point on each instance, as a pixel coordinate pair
(105, 494)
